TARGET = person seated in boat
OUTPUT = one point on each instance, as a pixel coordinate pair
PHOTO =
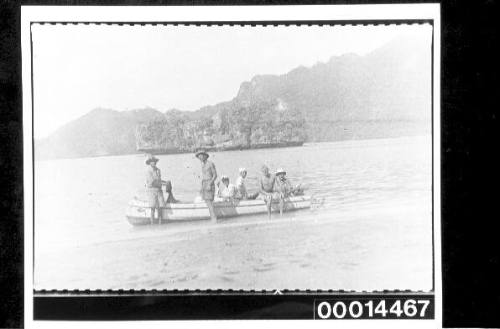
(266, 188)
(284, 188)
(266, 182)
(241, 187)
(227, 191)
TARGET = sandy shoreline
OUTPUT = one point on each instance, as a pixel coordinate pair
(386, 249)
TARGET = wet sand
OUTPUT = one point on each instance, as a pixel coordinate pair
(389, 248)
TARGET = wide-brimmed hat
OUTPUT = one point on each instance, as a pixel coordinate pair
(151, 158)
(201, 152)
(280, 171)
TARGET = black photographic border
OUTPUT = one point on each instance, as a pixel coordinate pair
(211, 303)
(469, 102)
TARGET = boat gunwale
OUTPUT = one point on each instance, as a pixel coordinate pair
(137, 220)
(224, 204)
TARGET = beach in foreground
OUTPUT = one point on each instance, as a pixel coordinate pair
(366, 250)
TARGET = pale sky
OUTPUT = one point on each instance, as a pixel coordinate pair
(79, 68)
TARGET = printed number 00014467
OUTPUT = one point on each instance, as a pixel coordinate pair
(409, 308)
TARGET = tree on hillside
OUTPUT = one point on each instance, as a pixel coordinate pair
(251, 115)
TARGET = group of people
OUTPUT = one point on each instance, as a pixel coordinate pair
(238, 191)
(271, 187)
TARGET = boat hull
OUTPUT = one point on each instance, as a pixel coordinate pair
(138, 211)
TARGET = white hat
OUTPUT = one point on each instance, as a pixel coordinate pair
(280, 171)
(242, 170)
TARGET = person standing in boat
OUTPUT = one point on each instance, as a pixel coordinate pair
(153, 186)
(208, 177)
(266, 187)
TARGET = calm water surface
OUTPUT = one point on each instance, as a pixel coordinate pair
(82, 201)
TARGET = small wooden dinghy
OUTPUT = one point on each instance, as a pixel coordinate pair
(138, 211)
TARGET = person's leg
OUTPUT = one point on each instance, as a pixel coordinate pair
(161, 204)
(158, 213)
(152, 204)
(152, 217)
(269, 200)
(282, 204)
(211, 210)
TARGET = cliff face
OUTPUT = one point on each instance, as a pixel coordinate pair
(233, 124)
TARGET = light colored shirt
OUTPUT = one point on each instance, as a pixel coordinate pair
(240, 185)
(227, 192)
(153, 178)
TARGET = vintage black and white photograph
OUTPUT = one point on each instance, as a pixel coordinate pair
(232, 156)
